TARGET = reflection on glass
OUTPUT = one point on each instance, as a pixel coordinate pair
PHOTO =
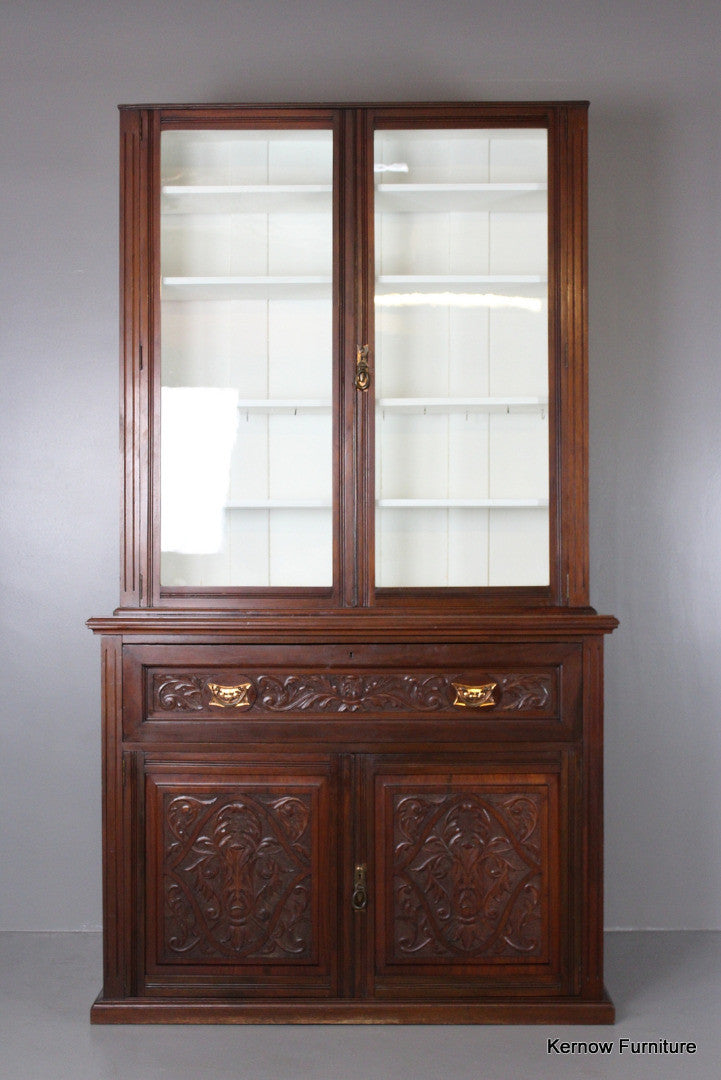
(246, 324)
(463, 300)
(461, 358)
(198, 436)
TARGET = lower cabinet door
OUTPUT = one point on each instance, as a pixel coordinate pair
(271, 879)
(241, 878)
(471, 879)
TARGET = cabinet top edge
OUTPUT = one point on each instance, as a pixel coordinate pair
(553, 623)
(229, 106)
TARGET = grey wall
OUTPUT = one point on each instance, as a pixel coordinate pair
(650, 71)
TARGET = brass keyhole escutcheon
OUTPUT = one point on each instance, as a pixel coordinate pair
(362, 371)
(359, 900)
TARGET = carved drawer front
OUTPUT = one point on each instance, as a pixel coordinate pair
(241, 877)
(468, 876)
(254, 692)
(226, 693)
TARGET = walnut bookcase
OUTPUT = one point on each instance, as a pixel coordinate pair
(352, 695)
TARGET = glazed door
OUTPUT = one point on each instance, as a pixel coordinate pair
(247, 291)
(241, 868)
(461, 354)
(363, 339)
(468, 880)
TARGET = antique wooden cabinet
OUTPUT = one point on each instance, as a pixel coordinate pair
(353, 691)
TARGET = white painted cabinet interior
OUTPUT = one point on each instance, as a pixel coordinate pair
(460, 364)
(246, 332)
(461, 358)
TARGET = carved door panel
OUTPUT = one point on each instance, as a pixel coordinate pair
(241, 878)
(468, 877)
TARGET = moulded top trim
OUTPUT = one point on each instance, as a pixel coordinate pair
(520, 105)
(353, 625)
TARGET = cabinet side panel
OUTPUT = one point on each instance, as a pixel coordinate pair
(592, 820)
(114, 961)
(572, 353)
(133, 320)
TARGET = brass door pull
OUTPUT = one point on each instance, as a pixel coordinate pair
(362, 371)
(474, 697)
(230, 696)
(359, 900)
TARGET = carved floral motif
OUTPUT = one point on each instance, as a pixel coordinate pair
(349, 692)
(524, 692)
(176, 692)
(352, 693)
(467, 876)
(237, 877)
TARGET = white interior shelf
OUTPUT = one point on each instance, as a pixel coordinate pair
(439, 405)
(394, 504)
(461, 197)
(246, 198)
(279, 504)
(462, 404)
(258, 286)
(283, 405)
(399, 197)
(461, 504)
(460, 279)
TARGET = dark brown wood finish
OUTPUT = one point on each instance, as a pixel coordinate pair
(353, 805)
(468, 879)
(115, 928)
(241, 877)
(134, 213)
(571, 351)
(347, 435)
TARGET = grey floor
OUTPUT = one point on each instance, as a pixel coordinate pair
(665, 985)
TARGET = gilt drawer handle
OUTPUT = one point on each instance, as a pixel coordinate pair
(474, 697)
(362, 371)
(359, 900)
(229, 696)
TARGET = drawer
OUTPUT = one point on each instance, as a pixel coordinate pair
(367, 691)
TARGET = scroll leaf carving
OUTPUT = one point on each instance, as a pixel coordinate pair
(348, 693)
(525, 692)
(352, 693)
(237, 877)
(184, 693)
(467, 876)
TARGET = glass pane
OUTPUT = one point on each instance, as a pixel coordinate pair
(461, 358)
(246, 358)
